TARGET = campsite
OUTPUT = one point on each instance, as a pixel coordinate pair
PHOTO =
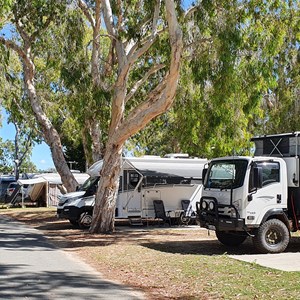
(106, 84)
(178, 262)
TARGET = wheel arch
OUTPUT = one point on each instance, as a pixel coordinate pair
(277, 213)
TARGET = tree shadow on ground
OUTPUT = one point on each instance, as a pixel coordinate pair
(212, 247)
(17, 284)
(32, 268)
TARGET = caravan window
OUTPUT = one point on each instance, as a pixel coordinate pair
(131, 179)
(151, 181)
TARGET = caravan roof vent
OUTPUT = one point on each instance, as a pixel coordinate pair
(177, 155)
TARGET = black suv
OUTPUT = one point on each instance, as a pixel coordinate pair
(4, 183)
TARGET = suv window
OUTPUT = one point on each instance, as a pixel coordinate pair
(12, 185)
(4, 183)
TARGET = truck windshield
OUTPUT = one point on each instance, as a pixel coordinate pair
(226, 174)
(89, 183)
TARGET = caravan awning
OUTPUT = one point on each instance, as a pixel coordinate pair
(157, 166)
(35, 186)
(32, 181)
(168, 167)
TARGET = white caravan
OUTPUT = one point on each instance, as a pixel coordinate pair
(142, 180)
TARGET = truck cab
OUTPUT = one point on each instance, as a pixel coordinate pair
(255, 196)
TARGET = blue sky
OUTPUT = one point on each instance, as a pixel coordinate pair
(41, 155)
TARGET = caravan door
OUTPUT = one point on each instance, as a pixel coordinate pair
(130, 196)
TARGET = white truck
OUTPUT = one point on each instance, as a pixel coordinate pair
(255, 196)
(142, 179)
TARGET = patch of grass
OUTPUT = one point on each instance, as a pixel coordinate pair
(167, 263)
(216, 276)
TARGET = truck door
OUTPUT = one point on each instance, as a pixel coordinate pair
(269, 196)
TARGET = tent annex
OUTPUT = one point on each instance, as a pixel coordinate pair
(43, 189)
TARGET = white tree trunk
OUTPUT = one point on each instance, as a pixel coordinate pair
(158, 101)
(105, 205)
(51, 136)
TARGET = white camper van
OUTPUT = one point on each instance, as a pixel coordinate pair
(142, 180)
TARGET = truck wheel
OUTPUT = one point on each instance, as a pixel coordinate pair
(230, 239)
(85, 220)
(184, 220)
(73, 222)
(272, 237)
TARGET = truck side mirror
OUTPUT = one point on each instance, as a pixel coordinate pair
(257, 177)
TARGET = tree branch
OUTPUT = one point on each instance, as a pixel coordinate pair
(13, 46)
(137, 50)
(143, 113)
(23, 34)
(82, 5)
(139, 83)
(191, 11)
(108, 18)
(161, 98)
(26, 146)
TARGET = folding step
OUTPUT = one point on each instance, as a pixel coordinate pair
(135, 221)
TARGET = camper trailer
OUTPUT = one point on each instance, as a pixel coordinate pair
(44, 189)
(176, 180)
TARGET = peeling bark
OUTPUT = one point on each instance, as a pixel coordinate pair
(121, 128)
(104, 210)
(50, 134)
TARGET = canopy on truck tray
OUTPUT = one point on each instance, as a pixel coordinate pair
(280, 145)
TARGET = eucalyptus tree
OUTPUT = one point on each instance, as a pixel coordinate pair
(27, 22)
(87, 104)
(239, 77)
(282, 109)
(14, 100)
(138, 71)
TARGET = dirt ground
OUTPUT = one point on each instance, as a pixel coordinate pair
(160, 261)
(128, 242)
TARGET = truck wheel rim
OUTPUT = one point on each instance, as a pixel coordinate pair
(273, 237)
(86, 220)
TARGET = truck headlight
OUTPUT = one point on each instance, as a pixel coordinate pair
(63, 202)
(204, 205)
(232, 213)
(211, 205)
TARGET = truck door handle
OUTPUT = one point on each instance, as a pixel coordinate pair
(278, 198)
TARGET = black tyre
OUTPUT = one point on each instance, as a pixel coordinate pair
(230, 239)
(272, 237)
(74, 223)
(85, 220)
(184, 220)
